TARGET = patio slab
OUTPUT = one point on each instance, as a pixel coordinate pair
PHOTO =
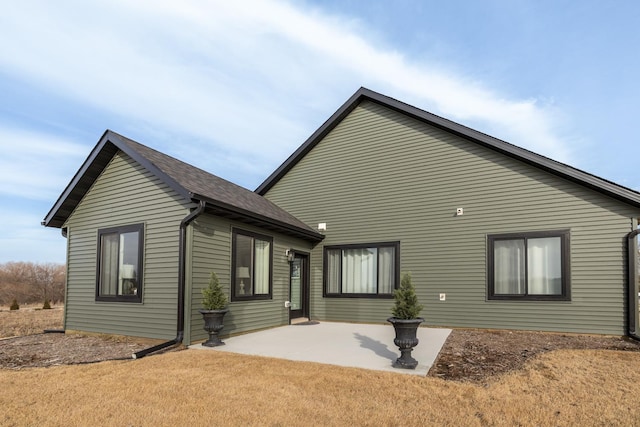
(343, 344)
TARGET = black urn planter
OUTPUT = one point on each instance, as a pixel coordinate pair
(406, 339)
(213, 325)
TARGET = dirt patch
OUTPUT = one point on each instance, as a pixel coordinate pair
(43, 350)
(481, 356)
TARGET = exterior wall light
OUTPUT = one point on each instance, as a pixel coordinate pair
(290, 254)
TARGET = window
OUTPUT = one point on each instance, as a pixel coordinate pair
(120, 264)
(368, 270)
(251, 266)
(529, 266)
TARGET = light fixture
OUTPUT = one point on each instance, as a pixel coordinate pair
(290, 254)
(242, 273)
(322, 226)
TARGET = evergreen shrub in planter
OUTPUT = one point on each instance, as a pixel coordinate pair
(214, 302)
(405, 321)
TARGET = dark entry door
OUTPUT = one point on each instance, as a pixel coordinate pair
(299, 292)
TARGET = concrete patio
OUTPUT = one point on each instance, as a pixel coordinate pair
(343, 344)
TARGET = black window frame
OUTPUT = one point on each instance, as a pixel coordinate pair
(234, 233)
(137, 298)
(377, 245)
(564, 236)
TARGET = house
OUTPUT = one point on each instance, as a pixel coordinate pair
(494, 236)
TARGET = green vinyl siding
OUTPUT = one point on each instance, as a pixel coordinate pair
(211, 251)
(124, 194)
(382, 176)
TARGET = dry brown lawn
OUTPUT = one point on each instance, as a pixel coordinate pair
(562, 387)
(29, 320)
(565, 387)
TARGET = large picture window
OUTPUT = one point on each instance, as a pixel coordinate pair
(529, 266)
(251, 266)
(120, 264)
(367, 270)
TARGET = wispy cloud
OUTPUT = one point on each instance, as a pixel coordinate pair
(231, 87)
(235, 76)
(36, 166)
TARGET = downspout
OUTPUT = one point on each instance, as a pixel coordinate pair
(632, 279)
(181, 284)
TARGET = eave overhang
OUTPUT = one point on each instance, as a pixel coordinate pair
(218, 208)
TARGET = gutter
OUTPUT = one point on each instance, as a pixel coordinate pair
(303, 233)
(181, 284)
(632, 279)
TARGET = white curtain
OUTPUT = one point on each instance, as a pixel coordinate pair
(386, 270)
(109, 264)
(121, 258)
(509, 267)
(544, 266)
(261, 267)
(359, 271)
(333, 270)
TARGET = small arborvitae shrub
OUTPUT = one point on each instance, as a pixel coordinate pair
(47, 305)
(14, 305)
(406, 301)
(213, 296)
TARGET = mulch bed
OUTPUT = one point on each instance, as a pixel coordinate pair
(42, 350)
(480, 356)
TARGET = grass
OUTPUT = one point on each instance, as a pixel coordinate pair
(568, 387)
(29, 320)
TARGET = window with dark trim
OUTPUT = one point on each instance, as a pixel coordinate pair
(120, 257)
(251, 261)
(529, 266)
(364, 270)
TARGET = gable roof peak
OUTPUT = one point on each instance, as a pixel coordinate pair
(223, 197)
(563, 170)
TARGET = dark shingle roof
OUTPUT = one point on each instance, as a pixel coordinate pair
(223, 197)
(565, 171)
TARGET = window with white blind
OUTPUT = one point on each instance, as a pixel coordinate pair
(362, 270)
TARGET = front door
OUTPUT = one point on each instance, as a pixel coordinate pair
(299, 293)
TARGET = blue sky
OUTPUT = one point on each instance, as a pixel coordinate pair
(235, 87)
